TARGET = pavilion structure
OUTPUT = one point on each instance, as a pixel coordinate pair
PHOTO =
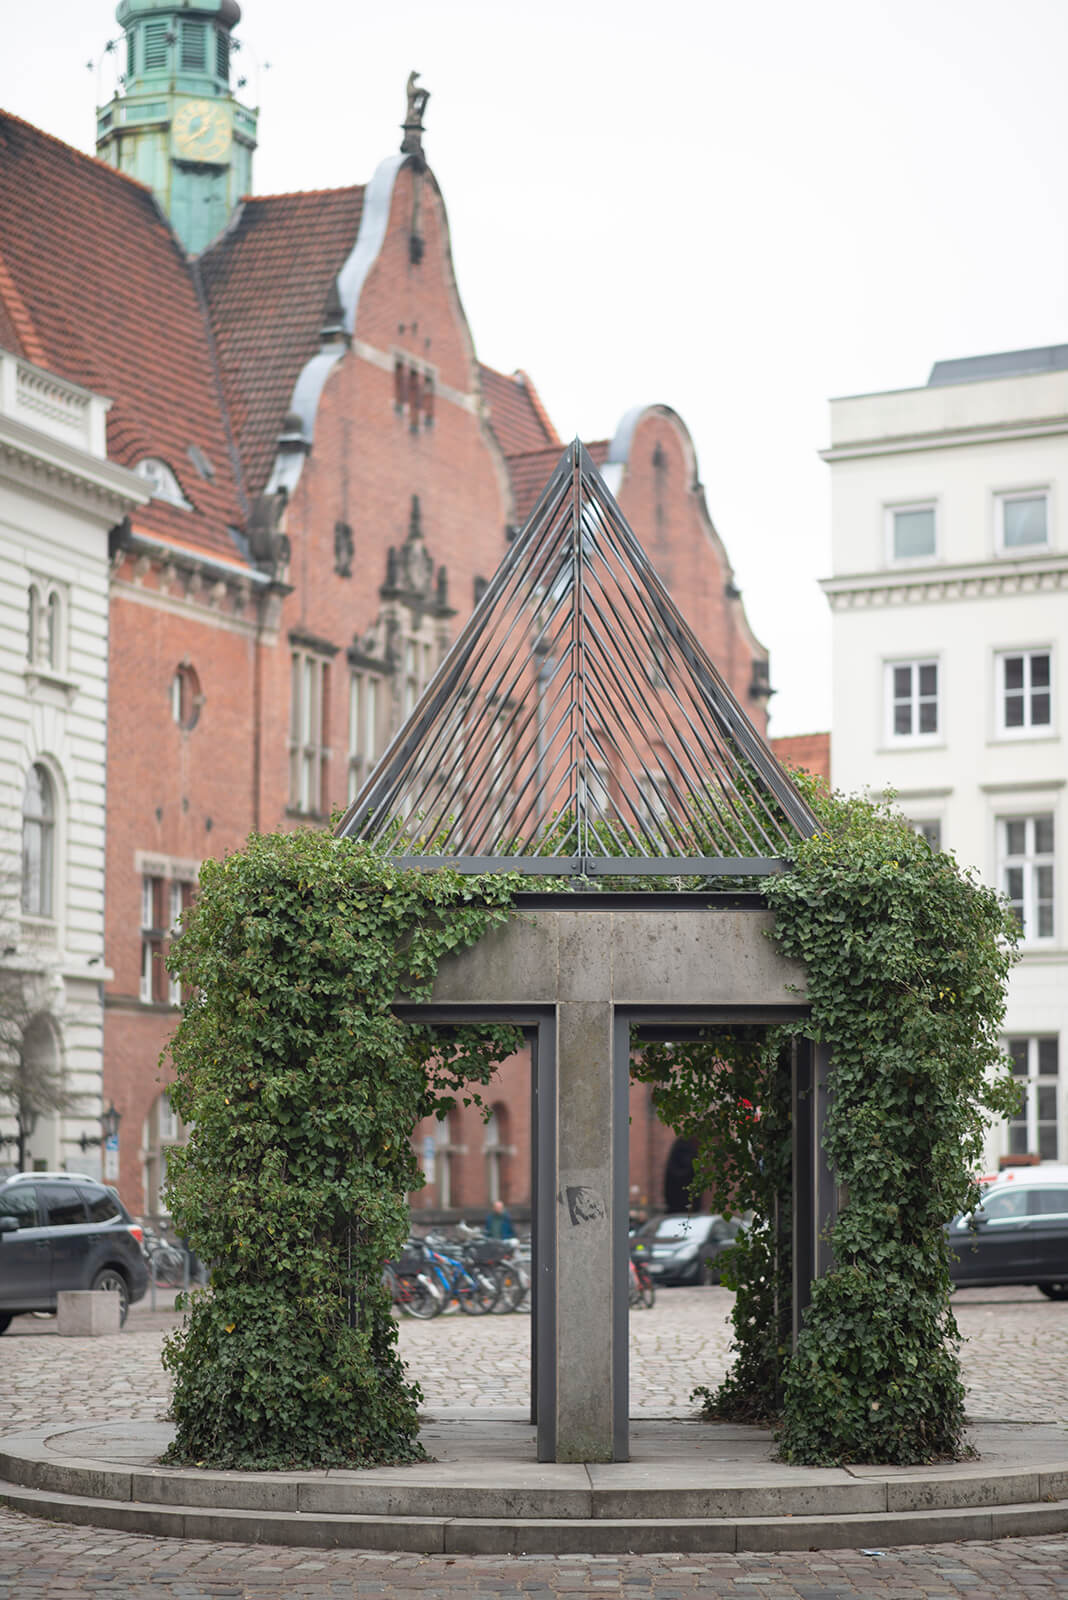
(578, 731)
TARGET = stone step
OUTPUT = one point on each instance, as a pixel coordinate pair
(548, 1534)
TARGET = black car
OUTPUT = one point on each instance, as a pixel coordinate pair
(60, 1231)
(683, 1249)
(1018, 1235)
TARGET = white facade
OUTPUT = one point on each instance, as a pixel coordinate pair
(59, 497)
(949, 598)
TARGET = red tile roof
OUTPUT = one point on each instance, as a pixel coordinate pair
(531, 471)
(267, 281)
(517, 415)
(811, 752)
(114, 308)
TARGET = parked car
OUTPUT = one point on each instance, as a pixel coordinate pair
(62, 1231)
(1019, 1234)
(679, 1248)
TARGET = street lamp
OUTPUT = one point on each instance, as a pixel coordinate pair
(109, 1123)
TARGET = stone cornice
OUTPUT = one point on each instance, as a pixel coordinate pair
(852, 450)
(73, 477)
(983, 580)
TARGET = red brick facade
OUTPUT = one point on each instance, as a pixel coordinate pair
(348, 476)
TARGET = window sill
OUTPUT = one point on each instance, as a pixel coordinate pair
(296, 815)
(896, 747)
(47, 678)
(1023, 736)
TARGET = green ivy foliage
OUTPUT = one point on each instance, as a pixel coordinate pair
(907, 959)
(730, 1093)
(303, 1089)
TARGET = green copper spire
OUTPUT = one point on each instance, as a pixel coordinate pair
(175, 123)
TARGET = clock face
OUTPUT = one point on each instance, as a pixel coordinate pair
(201, 131)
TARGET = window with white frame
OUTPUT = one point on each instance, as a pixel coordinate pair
(163, 900)
(181, 898)
(418, 670)
(1025, 691)
(1027, 865)
(1035, 1129)
(309, 707)
(912, 699)
(911, 532)
(1022, 521)
(364, 706)
(38, 844)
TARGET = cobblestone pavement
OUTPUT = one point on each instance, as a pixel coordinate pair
(1016, 1366)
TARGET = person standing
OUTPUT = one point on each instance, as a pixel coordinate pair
(499, 1223)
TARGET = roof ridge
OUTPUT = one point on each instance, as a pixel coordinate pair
(21, 320)
(305, 194)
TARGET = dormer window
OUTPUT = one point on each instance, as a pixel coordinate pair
(162, 482)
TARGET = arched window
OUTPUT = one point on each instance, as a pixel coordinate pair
(33, 642)
(44, 644)
(38, 844)
(52, 634)
(186, 696)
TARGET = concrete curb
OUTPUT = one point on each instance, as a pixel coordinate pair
(488, 1497)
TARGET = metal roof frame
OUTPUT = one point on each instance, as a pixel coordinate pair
(577, 726)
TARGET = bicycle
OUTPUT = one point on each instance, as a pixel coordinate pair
(642, 1288)
(473, 1287)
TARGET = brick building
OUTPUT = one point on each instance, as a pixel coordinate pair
(333, 476)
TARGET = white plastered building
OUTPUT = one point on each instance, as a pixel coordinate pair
(949, 601)
(59, 498)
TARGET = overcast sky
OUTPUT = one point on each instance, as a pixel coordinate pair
(736, 209)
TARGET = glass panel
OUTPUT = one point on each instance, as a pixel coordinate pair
(1014, 884)
(1014, 672)
(914, 533)
(1017, 1138)
(903, 718)
(1047, 1102)
(902, 683)
(1014, 711)
(1044, 836)
(928, 678)
(1018, 1052)
(294, 699)
(1047, 1058)
(1005, 1203)
(63, 1208)
(1024, 521)
(1049, 1202)
(1047, 1141)
(102, 1207)
(1040, 706)
(928, 716)
(1015, 838)
(1040, 671)
(20, 1202)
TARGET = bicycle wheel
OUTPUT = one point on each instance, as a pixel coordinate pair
(476, 1292)
(417, 1299)
(647, 1288)
(510, 1288)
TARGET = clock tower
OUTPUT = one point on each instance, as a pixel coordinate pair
(174, 123)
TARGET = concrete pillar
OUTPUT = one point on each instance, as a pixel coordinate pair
(586, 1344)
